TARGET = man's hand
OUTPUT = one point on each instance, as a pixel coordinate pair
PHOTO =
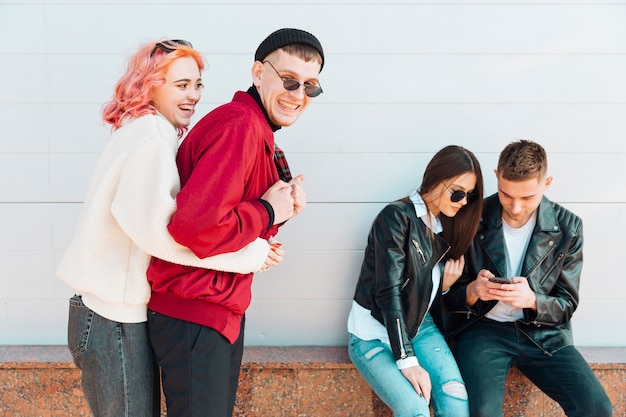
(279, 197)
(419, 378)
(479, 288)
(298, 195)
(517, 294)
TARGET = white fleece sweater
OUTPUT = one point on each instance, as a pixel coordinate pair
(123, 222)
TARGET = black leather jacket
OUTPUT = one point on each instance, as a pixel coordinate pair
(552, 264)
(395, 282)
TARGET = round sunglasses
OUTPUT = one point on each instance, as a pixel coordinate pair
(289, 84)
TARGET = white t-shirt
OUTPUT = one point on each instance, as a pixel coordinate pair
(516, 242)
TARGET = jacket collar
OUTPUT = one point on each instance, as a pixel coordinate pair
(255, 95)
(248, 100)
(422, 212)
(491, 237)
(546, 216)
(437, 245)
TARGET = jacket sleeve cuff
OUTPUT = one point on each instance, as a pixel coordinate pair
(270, 211)
(407, 362)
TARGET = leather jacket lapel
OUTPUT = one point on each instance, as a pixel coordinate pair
(542, 242)
(491, 239)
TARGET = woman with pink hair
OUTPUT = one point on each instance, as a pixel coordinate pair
(123, 222)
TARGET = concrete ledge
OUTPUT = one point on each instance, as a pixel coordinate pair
(42, 381)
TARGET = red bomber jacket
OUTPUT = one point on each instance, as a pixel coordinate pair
(225, 165)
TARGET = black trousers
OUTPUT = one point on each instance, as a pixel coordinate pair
(487, 350)
(199, 367)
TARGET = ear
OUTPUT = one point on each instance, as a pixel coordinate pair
(548, 182)
(257, 70)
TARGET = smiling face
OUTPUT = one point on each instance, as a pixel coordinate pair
(438, 199)
(176, 99)
(284, 107)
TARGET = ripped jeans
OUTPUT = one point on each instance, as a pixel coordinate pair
(375, 361)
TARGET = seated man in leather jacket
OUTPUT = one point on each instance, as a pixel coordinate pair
(537, 245)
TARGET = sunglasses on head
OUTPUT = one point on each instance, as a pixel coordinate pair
(289, 84)
(169, 46)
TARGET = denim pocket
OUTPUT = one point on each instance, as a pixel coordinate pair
(78, 326)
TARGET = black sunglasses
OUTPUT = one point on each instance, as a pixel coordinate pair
(169, 45)
(458, 195)
(289, 84)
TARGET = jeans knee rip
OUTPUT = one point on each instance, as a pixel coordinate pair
(370, 354)
(455, 389)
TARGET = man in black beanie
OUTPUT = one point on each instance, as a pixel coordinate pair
(236, 186)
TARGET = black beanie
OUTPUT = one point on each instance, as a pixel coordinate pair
(284, 37)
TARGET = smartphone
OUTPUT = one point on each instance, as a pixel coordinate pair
(500, 280)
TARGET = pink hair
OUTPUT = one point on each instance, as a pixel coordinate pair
(133, 91)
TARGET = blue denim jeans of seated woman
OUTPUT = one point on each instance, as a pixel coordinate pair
(119, 377)
(374, 360)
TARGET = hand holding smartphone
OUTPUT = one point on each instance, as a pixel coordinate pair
(500, 280)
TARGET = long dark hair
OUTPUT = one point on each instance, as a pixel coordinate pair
(451, 162)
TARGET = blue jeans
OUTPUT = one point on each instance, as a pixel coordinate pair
(374, 360)
(487, 350)
(118, 370)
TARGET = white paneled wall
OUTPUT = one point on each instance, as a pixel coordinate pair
(401, 81)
